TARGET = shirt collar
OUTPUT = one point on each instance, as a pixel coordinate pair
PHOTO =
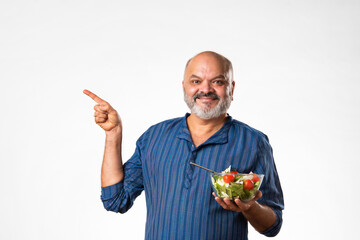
(220, 137)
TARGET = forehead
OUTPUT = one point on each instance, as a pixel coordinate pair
(205, 65)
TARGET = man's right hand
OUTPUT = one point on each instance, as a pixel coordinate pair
(105, 116)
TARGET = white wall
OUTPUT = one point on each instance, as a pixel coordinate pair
(297, 79)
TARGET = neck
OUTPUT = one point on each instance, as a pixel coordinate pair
(201, 129)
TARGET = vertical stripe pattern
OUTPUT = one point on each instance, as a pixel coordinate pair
(179, 197)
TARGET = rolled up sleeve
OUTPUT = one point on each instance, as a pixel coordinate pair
(121, 196)
(275, 228)
(271, 187)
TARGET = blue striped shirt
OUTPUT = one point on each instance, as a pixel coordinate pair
(178, 195)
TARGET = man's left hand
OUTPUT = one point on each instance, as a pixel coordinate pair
(237, 205)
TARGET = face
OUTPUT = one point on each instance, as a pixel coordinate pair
(207, 90)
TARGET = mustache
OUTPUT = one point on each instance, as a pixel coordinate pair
(210, 94)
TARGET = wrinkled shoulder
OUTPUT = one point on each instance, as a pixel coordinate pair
(243, 128)
(163, 127)
(167, 123)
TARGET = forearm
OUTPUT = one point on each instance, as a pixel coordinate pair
(112, 166)
(260, 217)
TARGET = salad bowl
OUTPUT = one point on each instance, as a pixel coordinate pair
(232, 185)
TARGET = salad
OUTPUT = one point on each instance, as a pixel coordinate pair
(234, 185)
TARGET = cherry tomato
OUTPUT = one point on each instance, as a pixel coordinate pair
(248, 184)
(234, 172)
(228, 178)
(255, 179)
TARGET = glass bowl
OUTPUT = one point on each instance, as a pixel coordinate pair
(236, 185)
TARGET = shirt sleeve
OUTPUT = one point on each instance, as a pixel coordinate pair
(121, 196)
(272, 195)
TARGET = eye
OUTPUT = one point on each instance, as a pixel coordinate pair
(195, 81)
(219, 82)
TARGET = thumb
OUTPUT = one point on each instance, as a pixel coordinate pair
(258, 195)
(105, 107)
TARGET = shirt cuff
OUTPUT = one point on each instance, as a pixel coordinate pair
(110, 191)
(275, 228)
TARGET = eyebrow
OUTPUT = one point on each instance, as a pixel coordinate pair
(219, 76)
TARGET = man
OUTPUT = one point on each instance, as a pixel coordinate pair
(180, 203)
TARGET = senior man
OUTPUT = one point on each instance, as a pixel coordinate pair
(179, 199)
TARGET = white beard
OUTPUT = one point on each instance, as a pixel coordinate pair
(207, 112)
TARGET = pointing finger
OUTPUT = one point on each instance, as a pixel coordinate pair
(93, 96)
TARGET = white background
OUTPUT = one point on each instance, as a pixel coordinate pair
(297, 73)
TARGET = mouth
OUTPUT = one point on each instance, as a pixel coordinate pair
(208, 97)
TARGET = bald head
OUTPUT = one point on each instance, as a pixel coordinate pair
(223, 62)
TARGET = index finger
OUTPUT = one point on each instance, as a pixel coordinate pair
(93, 96)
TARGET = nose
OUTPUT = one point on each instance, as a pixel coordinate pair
(206, 87)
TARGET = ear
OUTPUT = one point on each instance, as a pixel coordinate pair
(232, 90)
